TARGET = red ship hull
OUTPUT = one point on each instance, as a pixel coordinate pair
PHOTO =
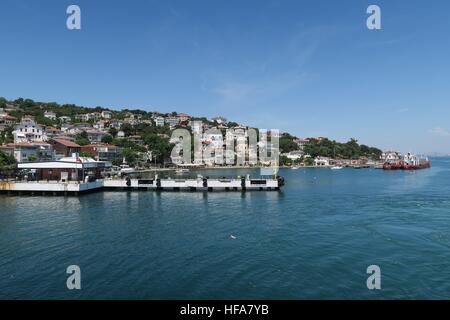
(405, 166)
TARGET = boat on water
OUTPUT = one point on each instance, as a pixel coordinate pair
(294, 168)
(124, 169)
(409, 162)
(336, 168)
(181, 171)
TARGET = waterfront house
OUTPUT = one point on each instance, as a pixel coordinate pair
(321, 161)
(29, 131)
(67, 169)
(64, 148)
(294, 155)
(103, 152)
(25, 151)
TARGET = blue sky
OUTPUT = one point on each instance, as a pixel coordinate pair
(311, 68)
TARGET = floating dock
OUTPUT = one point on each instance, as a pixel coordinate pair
(128, 184)
(76, 175)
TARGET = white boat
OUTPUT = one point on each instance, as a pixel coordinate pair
(126, 169)
(181, 171)
(294, 168)
(336, 168)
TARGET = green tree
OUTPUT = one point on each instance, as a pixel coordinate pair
(86, 154)
(82, 138)
(128, 129)
(6, 160)
(113, 132)
(287, 143)
(107, 139)
(130, 156)
(159, 146)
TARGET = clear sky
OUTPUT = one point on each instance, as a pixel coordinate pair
(311, 68)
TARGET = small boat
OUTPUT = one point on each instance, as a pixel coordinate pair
(126, 169)
(294, 168)
(336, 168)
(181, 171)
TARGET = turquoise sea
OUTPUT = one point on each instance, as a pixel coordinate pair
(312, 240)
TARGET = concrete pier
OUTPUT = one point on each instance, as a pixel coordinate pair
(155, 184)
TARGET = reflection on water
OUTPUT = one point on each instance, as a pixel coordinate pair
(313, 239)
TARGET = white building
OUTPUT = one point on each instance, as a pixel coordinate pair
(50, 115)
(294, 155)
(220, 120)
(106, 115)
(159, 121)
(25, 152)
(391, 156)
(183, 117)
(322, 161)
(29, 132)
(197, 127)
(172, 121)
(65, 119)
(82, 117)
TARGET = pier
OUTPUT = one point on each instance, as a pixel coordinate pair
(66, 188)
(77, 175)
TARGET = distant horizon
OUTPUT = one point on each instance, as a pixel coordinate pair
(310, 68)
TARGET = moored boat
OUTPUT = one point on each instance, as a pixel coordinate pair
(409, 162)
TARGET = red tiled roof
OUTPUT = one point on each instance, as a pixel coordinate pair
(67, 143)
(27, 144)
(8, 117)
(102, 145)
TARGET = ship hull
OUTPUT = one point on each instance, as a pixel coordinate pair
(406, 166)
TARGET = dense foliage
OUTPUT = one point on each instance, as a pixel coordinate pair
(349, 150)
(6, 160)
